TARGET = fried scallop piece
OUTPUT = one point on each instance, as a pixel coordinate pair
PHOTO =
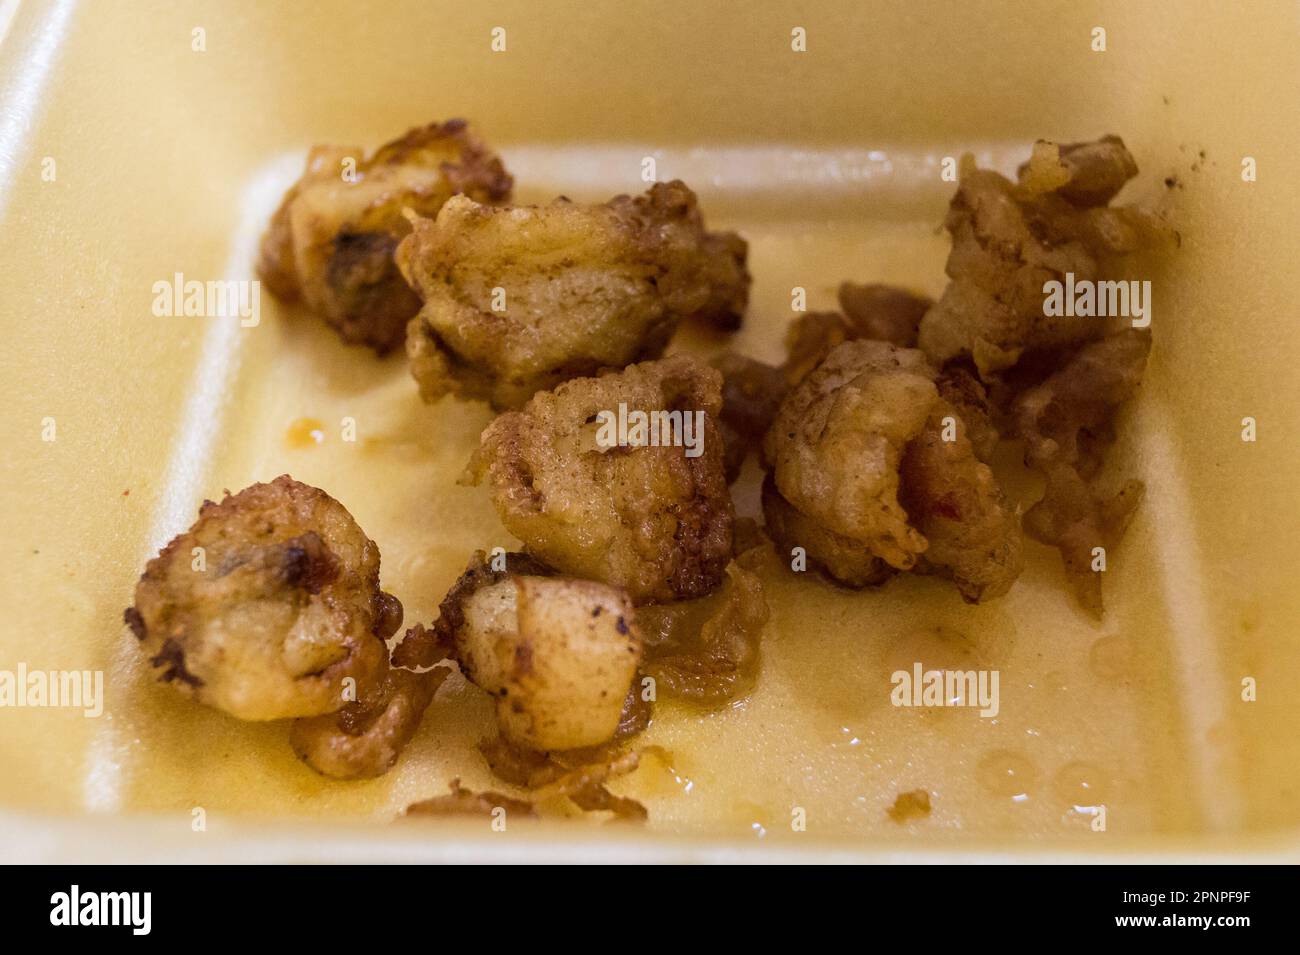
(651, 514)
(844, 559)
(835, 446)
(752, 392)
(726, 274)
(332, 239)
(1087, 174)
(878, 312)
(557, 654)
(517, 300)
(1068, 418)
(707, 650)
(366, 736)
(874, 472)
(267, 604)
(951, 497)
(1076, 516)
(1067, 422)
(883, 313)
(960, 387)
(1009, 239)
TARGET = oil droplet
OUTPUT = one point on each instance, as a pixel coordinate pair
(305, 433)
(1081, 785)
(1004, 772)
(660, 774)
(1111, 658)
(754, 817)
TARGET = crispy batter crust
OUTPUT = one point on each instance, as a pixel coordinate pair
(560, 658)
(835, 446)
(1076, 516)
(1009, 239)
(517, 300)
(844, 559)
(365, 737)
(576, 775)
(1068, 418)
(751, 394)
(1067, 421)
(280, 605)
(951, 497)
(878, 312)
(874, 470)
(647, 519)
(331, 241)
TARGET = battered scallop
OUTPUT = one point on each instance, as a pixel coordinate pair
(650, 514)
(557, 654)
(366, 736)
(1009, 239)
(331, 241)
(269, 606)
(1067, 421)
(751, 394)
(517, 300)
(878, 312)
(874, 471)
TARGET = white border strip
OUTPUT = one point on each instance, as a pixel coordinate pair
(1192, 645)
(191, 457)
(21, 97)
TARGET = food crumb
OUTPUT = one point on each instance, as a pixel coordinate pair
(910, 805)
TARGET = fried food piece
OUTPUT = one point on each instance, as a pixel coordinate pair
(576, 775)
(910, 805)
(463, 802)
(751, 394)
(1011, 238)
(1075, 516)
(1086, 174)
(332, 239)
(878, 312)
(365, 737)
(837, 441)
(557, 654)
(873, 471)
(843, 558)
(960, 387)
(561, 656)
(266, 604)
(707, 650)
(951, 497)
(883, 313)
(809, 339)
(518, 300)
(727, 277)
(873, 311)
(1067, 422)
(653, 520)
(1068, 418)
